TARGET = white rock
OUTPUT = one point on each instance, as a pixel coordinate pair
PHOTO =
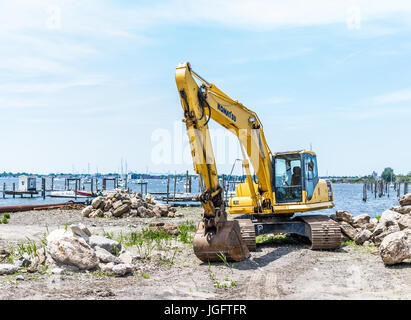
(106, 267)
(389, 215)
(396, 247)
(73, 251)
(128, 258)
(57, 270)
(405, 222)
(79, 231)
(86, 211)
(361, 220)
(343, 215)
(7, 269)
(106, 256)
(58, 234)
(362, 236)
(111, 246)
(405, 199)
(96, 202)
(122, 269)
(402, 209)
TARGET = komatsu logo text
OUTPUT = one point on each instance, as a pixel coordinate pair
(229, 114)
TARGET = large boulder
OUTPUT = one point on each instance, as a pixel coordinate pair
(104, 256)
(58, 234)
(144, 212)
(405, 199)
(107, 205)
(96, 202)
(72, 251)
(110, 245)
(396, 247)
(8, 268)
(389, 215)
(405, 222)
(343, 215)
(96, 213)
(128, 258)
(361, 220)
(348, 230)
(362, 236)
(402, 209)
(117, 204)
(87, 210)
(124, 208)
(381, 232)
(149, 198)
(80, 230)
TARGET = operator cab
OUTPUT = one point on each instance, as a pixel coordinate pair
(293, 173)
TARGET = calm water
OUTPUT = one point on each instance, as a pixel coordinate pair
(346, 196)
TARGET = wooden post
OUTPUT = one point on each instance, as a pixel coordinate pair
(75, 189)
(14, 190)
(364, 192)
(175, 185)
(405, 187)
(223, 182)
(186, 185)
(399, 189)
(91, 185)
(168, 186)
(375, 190)
(43, 187)
(52, 183)
(4, 190)
(104, 184)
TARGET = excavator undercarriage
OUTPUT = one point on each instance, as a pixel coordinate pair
(323, 232)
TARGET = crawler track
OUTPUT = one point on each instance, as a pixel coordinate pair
(324, 232)
(248, 233)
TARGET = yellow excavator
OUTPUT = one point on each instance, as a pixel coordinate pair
(286, 182)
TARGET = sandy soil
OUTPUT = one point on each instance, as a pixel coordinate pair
(278, 270)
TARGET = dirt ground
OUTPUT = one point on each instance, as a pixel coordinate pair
(284, 269)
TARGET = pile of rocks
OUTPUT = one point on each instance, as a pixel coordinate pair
(77, 249)
(392, 232)
(120, 203)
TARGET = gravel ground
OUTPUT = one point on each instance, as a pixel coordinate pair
(284, 269)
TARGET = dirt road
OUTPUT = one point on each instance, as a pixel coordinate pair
(280, 269)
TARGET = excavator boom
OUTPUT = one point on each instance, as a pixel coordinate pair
(216, 238)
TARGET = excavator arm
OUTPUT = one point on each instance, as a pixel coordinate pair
(216, 235)
(207, 102)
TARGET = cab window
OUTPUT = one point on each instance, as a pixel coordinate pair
(310, 174)
(288, 179)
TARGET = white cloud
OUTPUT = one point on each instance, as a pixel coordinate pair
(52, 86)
(392, 97)
(108, 18)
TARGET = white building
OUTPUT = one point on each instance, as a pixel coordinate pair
(27, 183)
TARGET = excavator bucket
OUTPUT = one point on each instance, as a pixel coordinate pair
(227, 243)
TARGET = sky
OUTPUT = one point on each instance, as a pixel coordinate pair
(85, 85)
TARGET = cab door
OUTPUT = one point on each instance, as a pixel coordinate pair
(310, 174)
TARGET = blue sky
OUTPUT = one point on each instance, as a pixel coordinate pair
(94, 83)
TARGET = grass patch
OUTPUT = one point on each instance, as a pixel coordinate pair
(272, 239)
(145, 276)
(347, 243)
